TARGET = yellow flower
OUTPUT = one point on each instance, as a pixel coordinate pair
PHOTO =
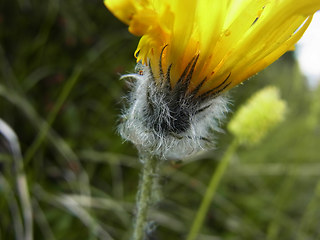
(190, 52)
(228, 41)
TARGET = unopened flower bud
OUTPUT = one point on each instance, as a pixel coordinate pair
(263, 111)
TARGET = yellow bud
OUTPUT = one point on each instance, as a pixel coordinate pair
(263, 111)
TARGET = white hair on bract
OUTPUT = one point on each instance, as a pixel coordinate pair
(169, 122)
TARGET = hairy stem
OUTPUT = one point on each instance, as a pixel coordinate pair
(211, 190)
(144, 195)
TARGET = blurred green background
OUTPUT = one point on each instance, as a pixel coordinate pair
(60, 62)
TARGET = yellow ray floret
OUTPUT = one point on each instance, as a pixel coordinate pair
(234, 39)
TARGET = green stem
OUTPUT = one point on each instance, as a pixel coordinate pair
(211, 190)
(149, 171)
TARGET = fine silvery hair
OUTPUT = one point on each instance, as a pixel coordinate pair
(171, 122)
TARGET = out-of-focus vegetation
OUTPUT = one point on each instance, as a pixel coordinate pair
(59, 91)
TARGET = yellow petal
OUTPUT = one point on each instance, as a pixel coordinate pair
(267, 60)
(122, 9)
(234, 38)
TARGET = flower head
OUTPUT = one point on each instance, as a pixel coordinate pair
(191, 51)
(235, 37)
(262, 112)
